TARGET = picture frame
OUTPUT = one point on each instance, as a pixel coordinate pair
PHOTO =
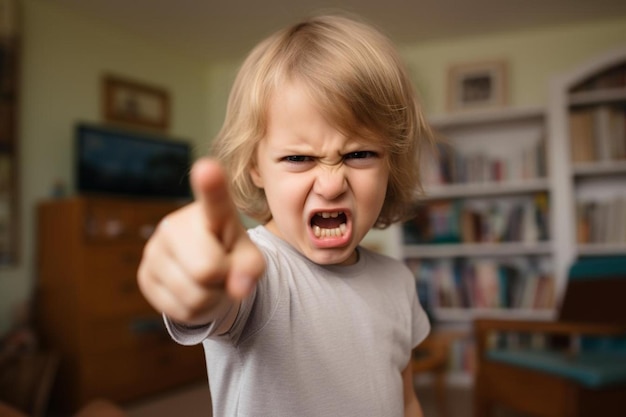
(477, 85)
(133, 103)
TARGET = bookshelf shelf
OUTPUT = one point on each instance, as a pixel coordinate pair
(487, 189)
(601, 168)
(478, 249)
(601, 96)
(469, 314)
(601, 249)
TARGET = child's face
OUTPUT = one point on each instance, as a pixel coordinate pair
(325, 190)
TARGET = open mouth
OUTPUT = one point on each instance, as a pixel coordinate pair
(328, 224)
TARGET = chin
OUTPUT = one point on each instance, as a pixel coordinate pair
(333, 257)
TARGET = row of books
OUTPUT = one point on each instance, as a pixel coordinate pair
(601, 221)
(598, 133)
(484, 283)
(458, 221)
(448, 166)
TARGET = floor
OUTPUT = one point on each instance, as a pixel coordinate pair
(193, 401)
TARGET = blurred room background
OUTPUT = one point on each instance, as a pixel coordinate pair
(529, 99)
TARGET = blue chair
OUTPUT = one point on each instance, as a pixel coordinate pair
(574, 366)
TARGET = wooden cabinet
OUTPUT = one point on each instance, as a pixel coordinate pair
(112, 342)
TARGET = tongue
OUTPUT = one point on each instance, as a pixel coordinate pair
(329, 223)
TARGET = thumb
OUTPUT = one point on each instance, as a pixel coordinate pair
(210, 189)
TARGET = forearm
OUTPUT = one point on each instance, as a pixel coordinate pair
(412, 407)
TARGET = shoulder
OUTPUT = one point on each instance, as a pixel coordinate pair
(381, 261)
(390, 269)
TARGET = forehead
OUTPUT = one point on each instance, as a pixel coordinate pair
(303, 106)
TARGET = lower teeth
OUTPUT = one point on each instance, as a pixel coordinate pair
(336, 232)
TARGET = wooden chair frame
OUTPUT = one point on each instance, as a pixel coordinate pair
(534, 392)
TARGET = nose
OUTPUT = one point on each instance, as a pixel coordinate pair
(331, 182)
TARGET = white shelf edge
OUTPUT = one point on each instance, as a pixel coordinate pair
(469, 314)
(500, 115)
(597, 96)
(486, 189)
(600, 249)
(477, 249)
(599, 168)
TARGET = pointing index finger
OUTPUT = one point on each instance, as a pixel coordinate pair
(210, 189)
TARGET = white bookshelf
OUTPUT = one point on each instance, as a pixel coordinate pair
(504, 133)
(582, 181)
(500, 135)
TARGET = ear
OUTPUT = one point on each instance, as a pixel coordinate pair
(257, 179)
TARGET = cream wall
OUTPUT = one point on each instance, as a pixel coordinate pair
(533, 56)
(64, 56)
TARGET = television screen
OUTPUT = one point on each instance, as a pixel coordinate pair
(115, 161)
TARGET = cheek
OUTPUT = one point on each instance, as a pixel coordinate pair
(376, 188)
(285, 192)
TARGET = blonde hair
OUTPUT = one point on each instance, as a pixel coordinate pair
(358, 80)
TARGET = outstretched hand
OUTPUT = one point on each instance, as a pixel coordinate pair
(200, 257)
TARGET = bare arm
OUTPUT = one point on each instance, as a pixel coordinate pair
(412, 406)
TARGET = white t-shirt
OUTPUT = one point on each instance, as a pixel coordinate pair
(315, 340)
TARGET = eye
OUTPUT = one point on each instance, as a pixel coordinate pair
(361, 155)
(361, 159)
(297, 158)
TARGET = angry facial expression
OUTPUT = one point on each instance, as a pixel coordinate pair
(325, 190)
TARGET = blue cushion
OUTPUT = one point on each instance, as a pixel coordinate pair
(590, 369)
(598, 267)
(601, 344)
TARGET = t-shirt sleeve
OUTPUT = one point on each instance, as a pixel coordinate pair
(187, 336)
(193, 335)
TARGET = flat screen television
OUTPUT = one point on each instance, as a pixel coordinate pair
(115, 161)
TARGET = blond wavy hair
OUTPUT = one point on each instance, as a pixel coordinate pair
(359, 82)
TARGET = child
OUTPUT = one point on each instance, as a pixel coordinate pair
(319, 144)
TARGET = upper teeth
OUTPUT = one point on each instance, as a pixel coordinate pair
(335, 232)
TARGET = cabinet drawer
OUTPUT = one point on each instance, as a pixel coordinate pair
(147, 217)
(130, 374)
(109, 284)
(119, 221)
(108, 220)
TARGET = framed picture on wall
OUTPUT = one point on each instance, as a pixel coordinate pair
(136, 104)
(477, 85)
